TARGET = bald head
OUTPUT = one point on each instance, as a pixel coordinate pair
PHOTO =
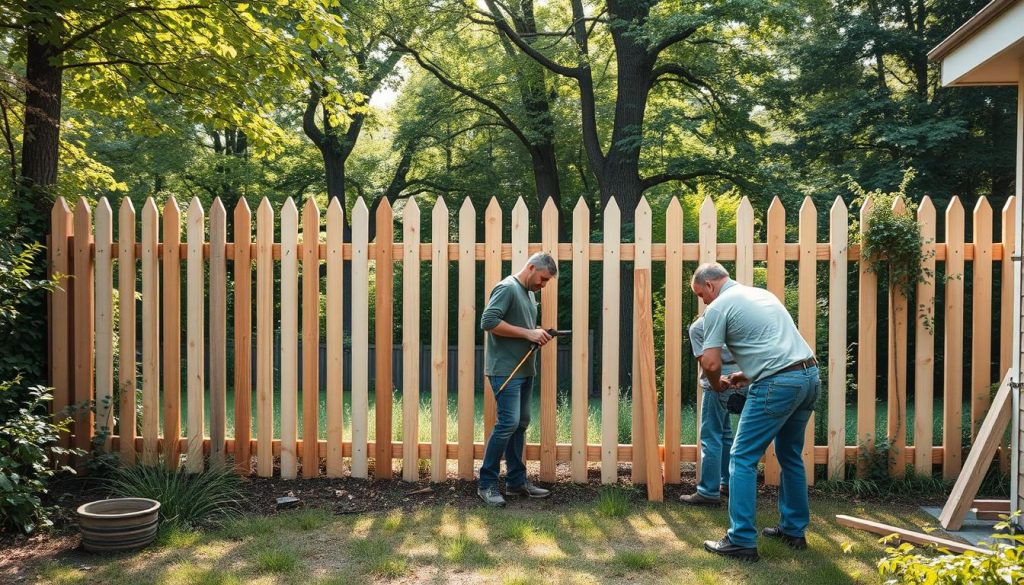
(708, 272)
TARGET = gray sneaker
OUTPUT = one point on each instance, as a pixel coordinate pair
(529, 490)
(695, 499)
(491, 496)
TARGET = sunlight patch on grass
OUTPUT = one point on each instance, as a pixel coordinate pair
(186, 574)
(175, 537)
(271, 560)
(392, 522)
(60, 574)
(636, 560)
(463, 550)
(391, 567)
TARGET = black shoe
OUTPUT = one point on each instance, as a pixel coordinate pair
(726, 548)
(529, 490)
(793, 542)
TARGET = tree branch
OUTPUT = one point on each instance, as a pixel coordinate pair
(74, 39)
(502, 25)
(660, 178)
(309, 116)
(669, 40)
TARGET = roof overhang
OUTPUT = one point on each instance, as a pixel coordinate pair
(987, 49)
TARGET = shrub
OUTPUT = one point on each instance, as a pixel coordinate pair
(185, 499)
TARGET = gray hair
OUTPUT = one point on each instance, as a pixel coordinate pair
(708, 272)
(543, 261)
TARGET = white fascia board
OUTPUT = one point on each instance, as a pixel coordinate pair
(997, 36)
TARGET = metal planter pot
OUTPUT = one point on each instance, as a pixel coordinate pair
(118, 524)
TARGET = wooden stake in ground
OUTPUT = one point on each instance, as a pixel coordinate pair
(648, 398)
(908, 535)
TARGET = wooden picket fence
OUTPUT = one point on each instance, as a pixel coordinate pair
(83, 326)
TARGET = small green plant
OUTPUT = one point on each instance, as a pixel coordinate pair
(185, 499)
(637, 560)
(613, 501)
(391, 567)
(462, 550)
(276, 561)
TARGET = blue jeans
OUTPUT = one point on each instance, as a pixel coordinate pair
(778, 408)
(715, 442)
(509, 434)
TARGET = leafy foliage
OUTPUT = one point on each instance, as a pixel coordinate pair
(185, 499)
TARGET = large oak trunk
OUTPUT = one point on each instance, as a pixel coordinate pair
(41, 136)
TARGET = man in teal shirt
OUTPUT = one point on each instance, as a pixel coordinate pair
(510, 323)
(780, 368)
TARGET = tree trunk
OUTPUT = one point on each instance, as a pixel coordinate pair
(40, 144)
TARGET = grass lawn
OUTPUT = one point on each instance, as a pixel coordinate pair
(594, 542)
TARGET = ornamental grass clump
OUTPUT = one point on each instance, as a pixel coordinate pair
(186, 499)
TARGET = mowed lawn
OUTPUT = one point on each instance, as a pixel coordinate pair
(585, 543)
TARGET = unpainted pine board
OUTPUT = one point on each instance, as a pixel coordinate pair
(61, 229)
(1009, 231)
(548, 353)
(609, 351)
(243, 336)
(896, 415)
(335, 338)
(218, 333)
(979, 458)
(839, 238)
(954, 341)
(172, 331)
(580, 349)
(520, 237)
(289, 331)
(195, 335)
(492, 275)
(924, 345)
(150, 331)
(807, 283)
(908, 535)
(867, 327)
(310, 338)
(411, 340)
(104, 318)
(642, 234)
(776, 264)
(360, 339)
(648, 396)
(981, 315)
(745, 243)
(383, 336)
(673, 342)
(264, 339)
(84, 326)
(708, 246)
(439, 342)
(467, 336)
(126, 424)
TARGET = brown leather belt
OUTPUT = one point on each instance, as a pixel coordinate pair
(807, 363)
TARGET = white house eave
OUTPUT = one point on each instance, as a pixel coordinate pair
(990, 55)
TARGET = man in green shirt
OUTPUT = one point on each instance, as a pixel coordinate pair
(510, 321)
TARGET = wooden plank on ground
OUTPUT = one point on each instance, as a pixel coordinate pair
(954, 343)
(839, 239)
(981, 315)
(61, 229)
(289, 338)
(243, 336)
(991, 505)
(195, 315)
(807, 308)
(467, 336)
(384, 309)
(335, 338)
(218, 332)
(896, 415)
(492, 275)
(411, 340)
(360, 338)
(264, 339)
(580, 328)
(439, 342)
(83, 326)
(311, 338)
(924, 345)
(609, 349)
(548, 353)
(673, 332)
(1008, 232)
(150, 331)
(867, 326)
(642, 262)
(126, 424)
(104, 317)
(908, 535)
(978, 459)
(776, 262)
(172, 331)
(644, 368)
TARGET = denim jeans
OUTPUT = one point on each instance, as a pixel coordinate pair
(778, 408)
(715, 442)
(509, 434)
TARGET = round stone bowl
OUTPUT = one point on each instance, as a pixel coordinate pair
(118, 524)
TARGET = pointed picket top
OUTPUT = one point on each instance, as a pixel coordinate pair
(807, 207)
(195, 206)
(243, 216)
(839, 221)
(708, 210)
(149, 207)
(310, 209)
(926, 204)
(674, 217)
(1009, 208)
(82, 204)
(126, 214)
(581, 204)
(674, 206)
(899, 206)
(493, 207)
(612, 209)
(643, 207)
(360, 209)
(808, 219)
(195, 217)
(838, 206)
(983, 208)
(310, 223)
(103, 207)
(467, 213)
(865, 212)
(171, 206)
(289, 208)
(83, 221)
(520, 215)
(60, 207)
(955, 207)
(745, 209)
(384, 217)
(549, 226)
(217, 211)
(581, 220)
(335, 212)
(440, 210)
(265, 215)
(411, 213)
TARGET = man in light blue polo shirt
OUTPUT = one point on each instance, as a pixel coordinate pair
(780, 368)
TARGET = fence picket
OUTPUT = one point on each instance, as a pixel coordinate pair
(1008, 232)
(981, 315)
(311, 338)
(674, 333)
(360, 337)
(335, 338)
(776, 262)
(84, 324)
(954, 343)
(707, 252)
(195, 335)
(548, 353)
(807, 308)
(61, 229)
(896, 414)
(467, 336)
(580, 327)
(641, 307)
(924, 345)
(218, 332)
(520, 247)
(410, 339)
(492, 274)
(243, 336)
(867, 326)
(126, 330)
(839, 234)
(150, 331)
(289, 338)
(172, 331)
(644, 368)
(745, 243)
(384, 315)
(264, 339)
(439, 342)
(609, 351)
(104, 317)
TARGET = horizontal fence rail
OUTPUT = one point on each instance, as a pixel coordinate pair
(299, 260)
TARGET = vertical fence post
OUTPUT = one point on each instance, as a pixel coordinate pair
(84, 326)
(439, 342)
(411, 340)
(924, 345)
(264, 339)
(243, 336)
(548, 353)
(641, 265)
(580, 328)
(104, 323)
(384, 312)
(311, 339)
(609, 346)
(673, 337)
(807, 307)
(360, 338)
(126, 329)
(218, 332)
(150, 331)
(1008, 232)
(61, 229)
(335, 338)
(954, 347)
(195, 335)
(896, 423)
(839, 235)
(492, 274)
(867, 326)
(467, 335)
(172, 331)
(981, 315)
(289, 338)
(708, 248)
(777, 286)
